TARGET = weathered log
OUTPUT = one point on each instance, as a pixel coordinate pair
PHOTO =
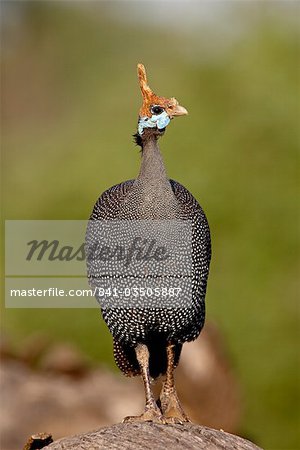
(151, 436)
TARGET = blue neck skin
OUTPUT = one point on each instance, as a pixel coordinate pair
(159, 121)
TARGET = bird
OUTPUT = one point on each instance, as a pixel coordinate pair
(147, 341)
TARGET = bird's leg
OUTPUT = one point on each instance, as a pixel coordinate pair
(169, 402)
(152, 413)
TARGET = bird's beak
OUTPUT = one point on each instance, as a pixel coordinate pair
(179, 111)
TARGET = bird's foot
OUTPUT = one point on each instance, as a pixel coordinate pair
(151, 414)
(171, 408)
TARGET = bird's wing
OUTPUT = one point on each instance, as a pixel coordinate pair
(201, 233)
(108, 204)
(106, 208)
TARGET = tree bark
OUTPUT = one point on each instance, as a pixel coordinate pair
(151, 436)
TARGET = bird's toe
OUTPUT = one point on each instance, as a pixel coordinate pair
(149, 415)
(176, 420)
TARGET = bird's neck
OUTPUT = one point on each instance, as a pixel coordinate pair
(152, 187)
(152, 166)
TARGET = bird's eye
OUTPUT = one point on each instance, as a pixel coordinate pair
(157, 110)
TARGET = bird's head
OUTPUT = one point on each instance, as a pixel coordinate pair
(156, 112)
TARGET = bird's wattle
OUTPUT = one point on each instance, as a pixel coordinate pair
(159, 121)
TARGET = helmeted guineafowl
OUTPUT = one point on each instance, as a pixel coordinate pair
(147, 336)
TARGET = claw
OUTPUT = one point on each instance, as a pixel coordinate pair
(176, 420)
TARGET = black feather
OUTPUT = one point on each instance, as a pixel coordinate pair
(138, 140)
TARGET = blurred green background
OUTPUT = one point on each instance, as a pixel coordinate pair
(70, 102)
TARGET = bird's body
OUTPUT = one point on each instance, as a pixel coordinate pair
(155, 334)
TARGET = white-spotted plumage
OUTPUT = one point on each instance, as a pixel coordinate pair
(130, 326)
